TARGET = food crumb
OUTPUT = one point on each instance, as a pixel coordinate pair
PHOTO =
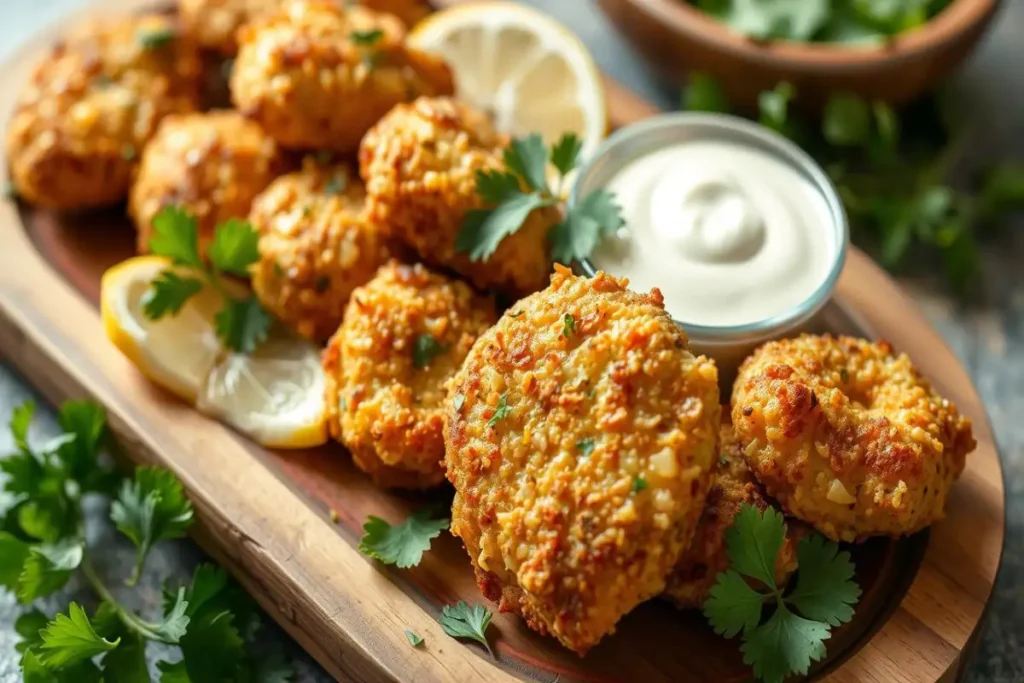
(334, 516)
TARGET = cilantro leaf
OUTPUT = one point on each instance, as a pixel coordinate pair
(212, 648)
(703, 93)
(30, 626)
(773, 106)
(35, 672)
(150, 508)
(784, 19)
(528, 159)
(234, 247)
(501, 411)
(47, 517)
(846, 120)
(565, 154)
(13, 554)
(753, 542)
(208, 583)
(732, 605)
(483, 230)
(786, 644)
(366, 38)
(494, 187)
(402, 545)
(1002, 188)
(21, 419)
(25, 473)
(462, 621)
(168, 292)
(414, 638)
(175, 622)
(70, 639)
(424, 349)
(47, 568)
(825, 590)
(173, 672)
(886, 122)
(88, 422)
(243, 324)
(639, 484)
(595, 217)
(175, 235)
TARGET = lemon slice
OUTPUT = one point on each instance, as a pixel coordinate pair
(275, 395)
(530, 72)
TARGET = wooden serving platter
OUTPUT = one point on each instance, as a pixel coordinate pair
(265, 514)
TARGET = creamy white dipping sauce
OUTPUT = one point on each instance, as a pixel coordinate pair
(728, 233)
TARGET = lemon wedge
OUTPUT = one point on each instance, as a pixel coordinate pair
(530, 72)
(275, 395)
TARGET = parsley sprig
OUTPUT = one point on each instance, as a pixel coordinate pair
(508, 205)
(462, 621)
(402, 544)
(801, 620)
(42, 545)
(242, 324)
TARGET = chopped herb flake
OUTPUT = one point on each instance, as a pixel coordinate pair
(424, 349)
(585, 446)
(366, 38)
(414, 638)
(568, 325)
(458, 401)
(500, 412)
(639, 484)
(155, 39)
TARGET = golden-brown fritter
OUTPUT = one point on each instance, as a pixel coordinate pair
(848, 436)
(316, 246)
(420, 163)
(411, 12)
(317, 76)
(580, 439)
(92, 104)
(697, 570)
(211, 165)
(404, 335)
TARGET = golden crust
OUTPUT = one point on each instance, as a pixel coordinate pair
(547, 501)
(693, 576)
(311, 85)
(212, 165)
(419, 164)
(316, 246)
(411, 12)
(384, 409)
(92, 104)
(848, 436)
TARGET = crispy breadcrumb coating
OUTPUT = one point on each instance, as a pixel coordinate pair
(580, 439)
(385, 409)
(317, 76)
(212, 165)
(316, 246)
(848, 436)
(91, 105)
(420, 163)
(697, 570)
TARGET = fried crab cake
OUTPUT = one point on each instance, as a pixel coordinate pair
(316, 246)
(420, 164)
(92, 104)
(317, 76)
(404, 335)
(697, 570)
(411, 12)
(211, 165)
(580, 439)
(848, 436)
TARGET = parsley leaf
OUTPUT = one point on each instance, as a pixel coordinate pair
(568, 325)
(462, 621)
(639, 484)
(234, 247)
(703, 93)
(825, 590)
(21, 419)
(366, 38)
(484, 229)
(773, 106)
(47, 568)
(496, 186)
(754, 541)
(127, 662)
(732, 605)
(70, 639)
(150, 508)
(594, 217)
(414, 638)
(847, 121)
(500, 412)
(402, 545)
(168, 292)
(528, 159)
(565, 155)
(243, 324)
(424, 349)
(175, 235)
(13, 554)
(786, 644)
(212, 647)
(783, 19)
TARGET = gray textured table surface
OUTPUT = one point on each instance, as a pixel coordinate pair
(987, 336)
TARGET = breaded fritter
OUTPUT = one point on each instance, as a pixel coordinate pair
(92, 104)
(697, 570)
(848, 436)
(580, 439)
(316, 246)
(420, 163)
(317, 76)
(404, 335)
(211, 165)
(215, 23)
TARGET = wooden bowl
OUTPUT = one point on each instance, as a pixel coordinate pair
(677, 38)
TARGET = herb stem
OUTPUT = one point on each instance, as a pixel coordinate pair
(130, 620)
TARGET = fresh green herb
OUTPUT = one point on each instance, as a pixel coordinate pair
(568, 325)
(337, 184)
(508, 205)
(42, 545)
(515, 314)
(366, 38)
(824, 595)
(844, 375)
(425, 349)
(500, 412)
(129, 153)
(704, 94)
(242, 324)
(774, 107)
(458, 402)
(639, 484)
(154, 39)
(402, 545)
(462, 621)
(585, 446)
(723, 460)
(414, 638)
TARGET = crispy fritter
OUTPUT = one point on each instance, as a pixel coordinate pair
(215, 23)
(420, 163)
(848, 436)
(317, 76)
(580, 438)
(92, 104)
(212, 165)
(697, 570)
(385, 408)
(316, 246)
